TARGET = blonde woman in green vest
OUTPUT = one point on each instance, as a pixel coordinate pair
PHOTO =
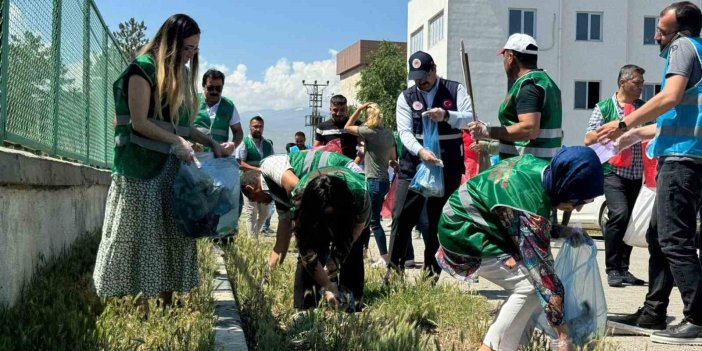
(143, 250)
(498, 222)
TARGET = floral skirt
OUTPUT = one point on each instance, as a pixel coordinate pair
(142, 248)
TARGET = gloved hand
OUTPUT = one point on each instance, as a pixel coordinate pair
(627, 140)
(478, 130)
(183, 151)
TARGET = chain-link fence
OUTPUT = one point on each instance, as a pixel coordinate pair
(58, 61)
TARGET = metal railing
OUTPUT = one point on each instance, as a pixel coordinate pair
(58, 61)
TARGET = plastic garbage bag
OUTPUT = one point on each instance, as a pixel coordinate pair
(635, 234)
(203, 194)
(585, 307)
(429, 179)
(332, 146)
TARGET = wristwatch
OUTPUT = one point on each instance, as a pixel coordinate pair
(622, 126)
(446, 116)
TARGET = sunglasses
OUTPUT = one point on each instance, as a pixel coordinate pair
(214, 88)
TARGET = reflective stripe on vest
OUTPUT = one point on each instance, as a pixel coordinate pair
(442, 137)
(471, 210)
(521, 150)
(146, 143)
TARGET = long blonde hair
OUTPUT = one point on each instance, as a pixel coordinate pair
(175, 83)
(374, 118)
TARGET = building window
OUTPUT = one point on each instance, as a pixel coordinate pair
(649, 30)
(417, 40)
(522, 21)
(649, 90)
(587, 94)
(436, 29)
(588, 26)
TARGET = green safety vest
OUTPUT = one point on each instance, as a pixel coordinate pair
(356, 183)
(550, 135)
(469, 227)
(308, 161)
(253, 157)
(219, 129)
(138, 156)
(609, 114)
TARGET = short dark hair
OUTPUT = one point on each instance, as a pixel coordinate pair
(288, 146)
(256, 118)
(527, 60)
(688, 17)
(212, 74)
(249, 178)
(299, 133)
(338, 100)
(627, 72)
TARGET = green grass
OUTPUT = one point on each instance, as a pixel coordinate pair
(59, 310)
(402, 316)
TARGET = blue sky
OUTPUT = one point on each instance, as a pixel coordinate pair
(266, 47)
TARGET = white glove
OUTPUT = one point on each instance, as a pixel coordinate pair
(627, 139)
(183, 151)
(478, 130)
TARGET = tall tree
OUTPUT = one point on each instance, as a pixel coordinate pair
(384, 79)
(131, 37)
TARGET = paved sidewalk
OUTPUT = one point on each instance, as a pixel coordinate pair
(620, 300)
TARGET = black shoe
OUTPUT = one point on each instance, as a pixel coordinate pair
(639, 323)
(684, 333)
(615, 279)
(630, 279)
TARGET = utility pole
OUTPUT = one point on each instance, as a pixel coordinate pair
(313, 90)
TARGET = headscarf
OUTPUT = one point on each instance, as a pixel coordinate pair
(574, 175)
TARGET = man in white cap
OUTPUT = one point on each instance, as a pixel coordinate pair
(530, 115)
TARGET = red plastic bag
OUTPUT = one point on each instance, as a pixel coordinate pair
(625, 157)
(332, 146)
(386, 212)
(649, 167)
(471, 159)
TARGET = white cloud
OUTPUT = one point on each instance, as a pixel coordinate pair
(281, 87)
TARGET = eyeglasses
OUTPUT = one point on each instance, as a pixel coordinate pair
(661, 32)
(214, 88)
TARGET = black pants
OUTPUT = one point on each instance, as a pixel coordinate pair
(406, 210)
(671, 240)
(306, 293)
(621, 195)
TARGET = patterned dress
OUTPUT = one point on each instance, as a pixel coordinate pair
(142, 249)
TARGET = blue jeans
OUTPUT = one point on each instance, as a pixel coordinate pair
(671, 239)
(378, 188)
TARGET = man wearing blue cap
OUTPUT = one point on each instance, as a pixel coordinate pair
(447, 103)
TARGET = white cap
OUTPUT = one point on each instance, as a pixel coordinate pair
(519, 42)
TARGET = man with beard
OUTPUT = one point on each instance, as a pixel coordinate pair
(333, 128)
(249, 154)
(218, 114)
(678, 147)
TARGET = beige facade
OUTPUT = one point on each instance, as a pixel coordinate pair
(351, 61)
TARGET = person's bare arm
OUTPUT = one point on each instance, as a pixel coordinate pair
(526, 129)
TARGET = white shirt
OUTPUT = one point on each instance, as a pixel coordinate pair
(212, 111)
(457, 119)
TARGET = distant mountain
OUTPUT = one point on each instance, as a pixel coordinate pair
(281, 125)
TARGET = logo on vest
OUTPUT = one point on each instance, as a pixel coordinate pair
(416, 63)
(448, 104)
(417, 106)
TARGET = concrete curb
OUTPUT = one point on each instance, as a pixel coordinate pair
(229, 334)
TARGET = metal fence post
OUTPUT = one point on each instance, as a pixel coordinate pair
(4, 49)
(86, 76)
(56, 52)
(106, 119)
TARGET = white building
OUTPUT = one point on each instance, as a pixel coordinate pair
(582, 46)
